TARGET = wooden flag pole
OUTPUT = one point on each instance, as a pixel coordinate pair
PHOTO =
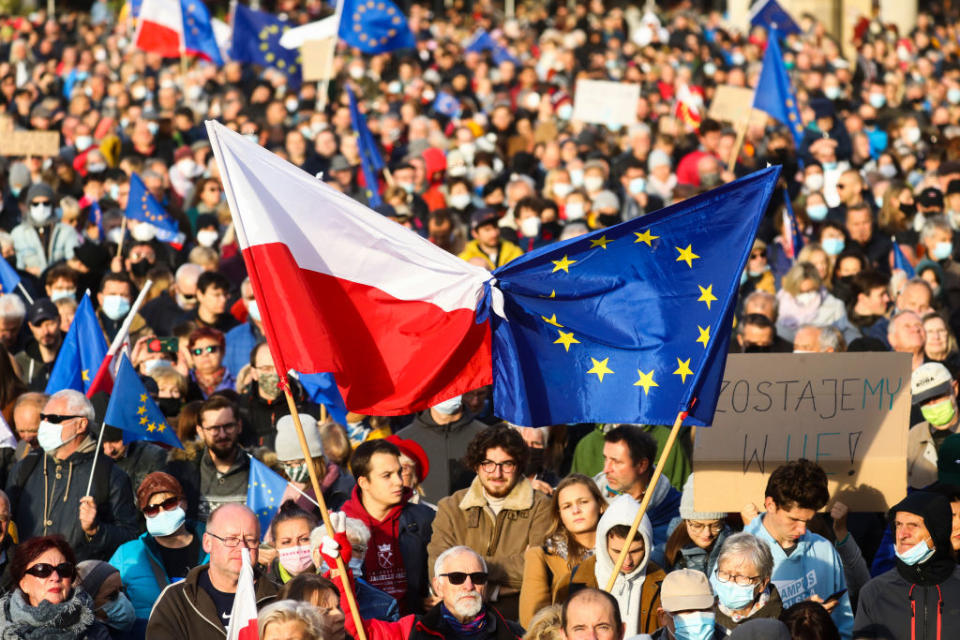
(647, 495)
(315, 481)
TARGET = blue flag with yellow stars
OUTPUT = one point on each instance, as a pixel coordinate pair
(773, 17)
(629, 323)
(198, 31)
(370, 160)
(143, 207)
(375, 26)
(133, 411)
(256, 39)
(83, 349)
(773, 93)
(265, 489)
(9, 278)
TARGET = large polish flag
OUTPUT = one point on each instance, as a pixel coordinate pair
(160, 28)
(343, 289)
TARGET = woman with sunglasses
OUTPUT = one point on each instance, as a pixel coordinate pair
(44, 603)
(549, 569)
(696, 541)
(205, 350)
(164, 554)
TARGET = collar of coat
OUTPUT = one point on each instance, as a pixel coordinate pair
(520, 497)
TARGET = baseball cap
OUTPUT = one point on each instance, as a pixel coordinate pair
(948, 460)
(930, 380)
(40, 310)
(481, 217)
(930, 197)
(686, 589)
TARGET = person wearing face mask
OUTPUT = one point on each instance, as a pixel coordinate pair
(686, 610)
(41, 239)
(912, 600)
(61, 282)
(804, 300)
(741, 580)
(529, 224)
(444, 431)
(38, 355)
(934, 391)
(290, 535)
(115, 297)
(111, 605)
(208, 231)
(290, 455)
(937, 238)
(414, 468)
(137, 459)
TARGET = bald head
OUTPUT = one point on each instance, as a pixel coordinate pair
(231, 514)
(591, 613)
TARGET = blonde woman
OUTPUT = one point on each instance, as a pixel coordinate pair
(804, 300)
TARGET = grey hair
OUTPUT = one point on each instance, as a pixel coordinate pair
(290, 611)
(544, 430)
(357, 533)
(932, 225)
(751, 548)
(188, 270)
(832, 338)
(765, 295)
(6, 240)
(452, 551)
(892, 327)
(76, 403)
(12, 307)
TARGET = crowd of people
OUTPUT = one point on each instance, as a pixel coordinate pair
(451, 523)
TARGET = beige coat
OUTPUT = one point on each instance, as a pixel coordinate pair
(922, 455)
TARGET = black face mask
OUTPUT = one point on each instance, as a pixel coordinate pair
(756, 348)
(908, 209)
(550, 230)
(535, 462)
(140, 269)
(608, 219)
(170, 406)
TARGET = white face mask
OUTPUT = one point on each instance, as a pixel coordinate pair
(115, 235)
(593, 183)
(356, 72)
(530, 227)
(449, 407)
(207, 237)
(187, 167)
(460, 201)
(253, 310)
(574, 210)
(814, 182)
(807, 299)
(562, 189)
(912, 134)
(41, 212)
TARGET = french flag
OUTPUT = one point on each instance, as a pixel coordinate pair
(176, 27)
(342, 289)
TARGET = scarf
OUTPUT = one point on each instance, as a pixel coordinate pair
(68, 620)
(469, 629)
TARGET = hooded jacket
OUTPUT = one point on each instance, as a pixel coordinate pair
(444, 446)
(920, 601)
(663, 508)
(637, 608)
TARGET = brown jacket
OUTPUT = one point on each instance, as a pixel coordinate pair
(649, 594)
(547, 579)
(464, 519)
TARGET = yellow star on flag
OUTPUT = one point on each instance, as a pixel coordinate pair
(600, 368)
(646, 236)
(144, 420)
(552, 320)
(161, 427)
(645, 381)
(563, 264)
(566, 339)
(151, 427)
(85, 375)
(143, 397)
(687, 255)
(683, 369)
(553, 294)
(141, 410)
(704, 335)
(601, 242)
(706, 295)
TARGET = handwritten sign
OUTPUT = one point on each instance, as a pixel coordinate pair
(612, 104)
(847, 412)
(732, 104)
(317, 58)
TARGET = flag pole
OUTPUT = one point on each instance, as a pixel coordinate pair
(118, 340)
(324, 88)
(315, 481)
(96, 456)
(645, 502)
(24, 292)
(123, 233)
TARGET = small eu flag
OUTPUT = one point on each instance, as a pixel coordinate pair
(133, 411)
(83, 349)
(322, 389)
(143, 207)
(370, 160)
(483, 41)
(9, 278)
(198, 31)
(256, 39)
(629, 323)
(900, 261)
(773, 93)
(375, 26)
(791, 230)
(773, 17)
(447, 105)
(265, 490)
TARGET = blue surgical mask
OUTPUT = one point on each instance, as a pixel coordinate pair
(696, 625)
(732, 595)
(637, 185)
(917, 554)
(943, 250)
(817, 212)
(833, 246)
(120, 613)
(60, 294)
(953, 95)
(254, 310)
(153, 127)
(877, 100)
(115, 307)
(449, 407)
(832, 92)
(166, 522)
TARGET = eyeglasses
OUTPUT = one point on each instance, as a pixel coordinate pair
(234, 541)
(508, 466)
(459, 577)
(697, 527)
(226, 426)
(42, 570)
(755, 256)
(201, 350)
(743, 581)
(57, 419)
(168, 504)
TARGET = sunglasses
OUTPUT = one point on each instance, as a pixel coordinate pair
(166, 505)
(459, 577)
(55, 419)
(43, 570)
(201, 350)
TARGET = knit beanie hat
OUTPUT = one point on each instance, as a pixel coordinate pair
(686, 505)
(287, 444)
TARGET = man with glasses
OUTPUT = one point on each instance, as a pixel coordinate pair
(215, 473)
(396, 560)
(48, 489)
(499, 516)
(201, 603)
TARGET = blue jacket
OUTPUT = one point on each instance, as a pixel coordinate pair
(240, 342)
(814, 568)
(375, 603)
(138, 562)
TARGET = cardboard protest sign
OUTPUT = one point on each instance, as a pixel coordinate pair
(732, 104)
(847, 412)
(612, 104)
(317, 58)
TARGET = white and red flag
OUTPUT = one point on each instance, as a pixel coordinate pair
(343, 289)
(243, 615)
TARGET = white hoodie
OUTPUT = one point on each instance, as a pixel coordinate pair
(627, 588)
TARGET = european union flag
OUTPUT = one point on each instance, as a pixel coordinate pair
(198, 31)
(264, 492)
(773, 93)
(791, 230)
(770, 15)
(96, 217)
(322, 389)
(142, 206)
(83, 349)
(630, 323)
(370, 160)
(447, 104)
(900, 261)
(483, 41)
(9, 278)
(256, 39)
(375, 26)
(132, 410)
